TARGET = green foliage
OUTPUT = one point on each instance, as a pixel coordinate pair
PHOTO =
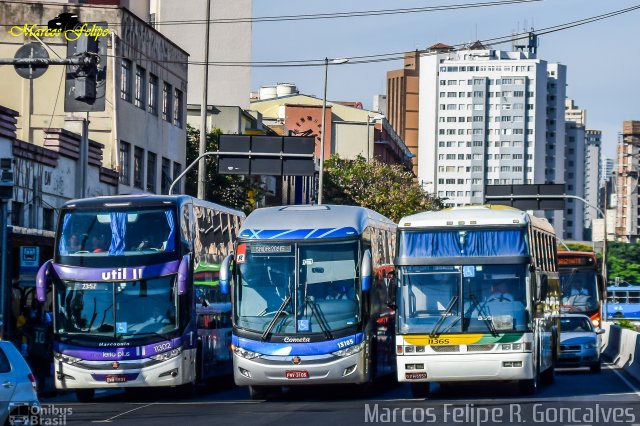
(387, 189)
(625, 323)
(234, 191)
(623, 261)
(576, 247)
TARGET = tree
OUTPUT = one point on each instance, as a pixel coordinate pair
(388, 189)
(623, 261)
(240, 192)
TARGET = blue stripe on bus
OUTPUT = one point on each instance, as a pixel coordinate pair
(292, 349)
(297, 234)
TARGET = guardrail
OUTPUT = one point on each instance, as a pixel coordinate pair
(620, 346)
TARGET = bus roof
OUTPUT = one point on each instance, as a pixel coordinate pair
(145, 200)
(470, 216)
(623, 288)
(311, 221)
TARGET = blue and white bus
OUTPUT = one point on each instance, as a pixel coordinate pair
(312, 294)
(127, 312)
(623, 302)
(478, 299)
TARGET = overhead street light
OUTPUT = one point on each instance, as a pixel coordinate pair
(327, 61)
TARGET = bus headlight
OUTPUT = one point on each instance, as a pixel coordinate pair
(67, 359)
(245, 353)
(350, 350)
(167, 355)
(595, 322)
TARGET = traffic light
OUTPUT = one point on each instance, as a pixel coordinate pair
(85, 84)
(6, 178)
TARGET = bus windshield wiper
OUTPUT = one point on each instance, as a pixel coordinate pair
(279, 312)
(321, 321)
(444, 316)
(485, 316)
(146, 333)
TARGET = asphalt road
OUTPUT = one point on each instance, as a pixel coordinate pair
(576, 398)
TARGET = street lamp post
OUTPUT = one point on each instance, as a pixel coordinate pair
(327, 61)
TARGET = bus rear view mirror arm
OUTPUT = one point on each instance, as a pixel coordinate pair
(366, 270)
(224, 274)
(183, 274)
(43, 281)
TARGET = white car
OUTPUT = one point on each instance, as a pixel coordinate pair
(18, 395)
(579, 342)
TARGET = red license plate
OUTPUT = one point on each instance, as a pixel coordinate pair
(415, 376)
(297, 374)
(116, 378)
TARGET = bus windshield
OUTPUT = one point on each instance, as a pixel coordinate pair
(120, 310)
(311, 288)
(102, 237)
(579, 290)
(463, 298)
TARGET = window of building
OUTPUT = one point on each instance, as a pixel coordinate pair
(17, 213)
(151, 172)
(167, 102)
(152, 97)
(125, 79)
(518, 93)
(138, 167)
(177, 169)
(141, 87)
(165, 178)
(47, 219)
(177, 109)
(125, 163)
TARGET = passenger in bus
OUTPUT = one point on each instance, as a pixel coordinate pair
(578, 296)
(99, 244)
(74, 243)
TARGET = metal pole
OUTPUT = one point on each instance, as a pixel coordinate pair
(202, 169)
(324, 108)
(368, 136)
(3, 263)
(84, 156)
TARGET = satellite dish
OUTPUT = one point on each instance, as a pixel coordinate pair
(32, 51)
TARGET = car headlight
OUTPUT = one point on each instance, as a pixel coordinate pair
(591, 345)
(245, 353)
(67, 359)
(167, 355)
(350, 350)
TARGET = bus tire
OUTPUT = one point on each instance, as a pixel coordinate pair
(258, 392)
(420, 390)
(549, 375)
(85, 395)
(530, 386)
(596, 368)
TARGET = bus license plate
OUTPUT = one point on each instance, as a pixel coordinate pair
(415, 376)
(297, 374)
(117, 378)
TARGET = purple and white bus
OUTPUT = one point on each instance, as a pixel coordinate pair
(127, 312)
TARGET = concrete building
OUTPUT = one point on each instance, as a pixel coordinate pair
(592, 178)
(142, 129)
(627, 225)
(608, 166)
(403, 102)
(574, 180)
(380, 104)
(489, 117)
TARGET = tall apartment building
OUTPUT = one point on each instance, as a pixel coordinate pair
(489, 117)
(608, 166)
(403, 102)
(574, 170)
(592, 177)
(627, 225)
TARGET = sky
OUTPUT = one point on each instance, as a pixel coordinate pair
(602, 58)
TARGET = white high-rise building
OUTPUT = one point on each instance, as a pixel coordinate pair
(489, 117)
(607, 168)
(592, 177)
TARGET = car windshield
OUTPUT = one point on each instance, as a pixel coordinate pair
(579, 290)
(121, 310)
(310, 288)
(575, 324)
(97, 236)
(463, 298)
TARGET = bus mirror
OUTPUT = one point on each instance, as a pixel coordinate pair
(366, 270)
(42, 281)
(183, 274)
(224, 274)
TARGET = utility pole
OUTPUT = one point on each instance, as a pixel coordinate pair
(202, 168)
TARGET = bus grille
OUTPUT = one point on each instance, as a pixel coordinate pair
(446, 348)
(480, 348)
(570, 348)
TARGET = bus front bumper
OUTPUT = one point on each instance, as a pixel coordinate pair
(303, 370)
(172, 372)
(465, 367)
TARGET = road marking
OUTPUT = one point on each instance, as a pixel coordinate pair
(122, 414)
(624, 379)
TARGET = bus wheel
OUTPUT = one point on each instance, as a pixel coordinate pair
(530, 386)
(420, 390)
(596, 368)
(258, 392)
(549, 376)
(85, 395)
(618, 315)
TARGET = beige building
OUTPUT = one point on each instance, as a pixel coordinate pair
(627, 225)
(142, 129)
